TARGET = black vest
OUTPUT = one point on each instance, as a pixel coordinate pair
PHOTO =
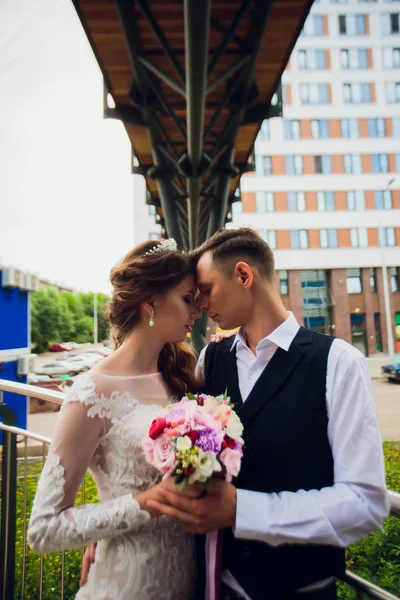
(286, 449)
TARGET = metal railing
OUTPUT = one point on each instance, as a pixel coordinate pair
(8, 502)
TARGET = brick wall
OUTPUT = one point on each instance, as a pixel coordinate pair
(340, 301)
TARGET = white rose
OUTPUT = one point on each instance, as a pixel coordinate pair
(234, 427)
(206, 464)
(183, 443)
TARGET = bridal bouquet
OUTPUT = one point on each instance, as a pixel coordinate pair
(196, 439)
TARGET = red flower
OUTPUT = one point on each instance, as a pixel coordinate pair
(189, 470)
(228, 442)
(193, 435)
(156, 428)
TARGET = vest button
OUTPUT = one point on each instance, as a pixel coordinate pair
(246, 552)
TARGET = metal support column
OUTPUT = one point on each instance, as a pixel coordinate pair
(197, 26)
(8, 504)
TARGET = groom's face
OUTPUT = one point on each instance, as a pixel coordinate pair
(220, 295)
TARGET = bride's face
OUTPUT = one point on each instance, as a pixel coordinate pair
(176, 311)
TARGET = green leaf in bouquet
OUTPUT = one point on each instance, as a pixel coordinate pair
(191, 396)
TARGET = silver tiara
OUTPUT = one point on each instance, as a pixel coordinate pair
(165, 246)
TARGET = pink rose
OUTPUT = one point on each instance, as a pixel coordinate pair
(160, 453)
(231, 461)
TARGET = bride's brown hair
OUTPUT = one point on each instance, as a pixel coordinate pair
(135, 279)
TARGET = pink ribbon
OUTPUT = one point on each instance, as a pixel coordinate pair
(213, 565)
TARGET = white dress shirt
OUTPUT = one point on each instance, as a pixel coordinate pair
(357, 502)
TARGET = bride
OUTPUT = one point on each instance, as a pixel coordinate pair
(103, 419)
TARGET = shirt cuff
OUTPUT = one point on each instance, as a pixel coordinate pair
(251, 515)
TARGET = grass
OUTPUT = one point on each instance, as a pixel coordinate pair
(376, 558)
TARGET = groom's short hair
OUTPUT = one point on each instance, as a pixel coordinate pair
(230, 246)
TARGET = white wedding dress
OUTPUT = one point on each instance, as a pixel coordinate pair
(100, 428)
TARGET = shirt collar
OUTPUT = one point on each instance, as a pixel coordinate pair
(282, 336)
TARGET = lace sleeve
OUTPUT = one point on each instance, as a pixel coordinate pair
(55, 523)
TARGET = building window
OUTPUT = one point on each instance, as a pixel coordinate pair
(383, 199)
(359, 237)
(269, 236)
(314, 93)
(266, 165)
(283, 283)
(376, 128)
(326, 201)
(372, 280)
(394, 279)
(354, 285)
(297, 201)
(292, 129)
(237, 208)
(356, 93)
(328, 238)
(319, 129)
(154, 236)
(354, 58)
(264, 134)
(391, 58)
(355, 200)
(323, 164)
(152, 210)
(294, 164)
(379, 163)
(314, 26)
(265, 202)
(352, 24)
(396, 127)
(390, 23)
(299, 239)
(338, 1)
(311, 60)
(349, 128)
(397, 157)
(393, 93)
(387, 237)
(352, 164)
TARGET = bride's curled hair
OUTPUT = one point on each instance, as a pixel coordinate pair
(135, 279)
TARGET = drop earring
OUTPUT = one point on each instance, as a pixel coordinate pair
(151, 322)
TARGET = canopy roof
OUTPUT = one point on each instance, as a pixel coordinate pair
(192, 82)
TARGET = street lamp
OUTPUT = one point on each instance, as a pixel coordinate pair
(386, 294)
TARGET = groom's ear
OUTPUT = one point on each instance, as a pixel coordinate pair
(244, 274)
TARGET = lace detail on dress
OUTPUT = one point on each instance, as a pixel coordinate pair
(137, 558)
(113, 407)
(51, 529)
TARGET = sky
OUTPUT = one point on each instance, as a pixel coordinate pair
(66, 188)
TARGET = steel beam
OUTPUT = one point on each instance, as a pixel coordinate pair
(131, 33)
(218, 208)
(168, 51)
(228, 35)
(163, 76)
(197, 26)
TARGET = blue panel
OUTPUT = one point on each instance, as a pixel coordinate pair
(13, 318)
(17, 403)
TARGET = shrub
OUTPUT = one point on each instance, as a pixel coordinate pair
(376, 558)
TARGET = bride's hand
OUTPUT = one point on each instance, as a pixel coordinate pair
(189, 490)
(221, 335)
(157, 493)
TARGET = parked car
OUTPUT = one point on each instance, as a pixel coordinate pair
(84, 360)
(60, 347)
(392, 371)
(54, 369)
(104, 351)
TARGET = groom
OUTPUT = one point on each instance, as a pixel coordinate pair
(312, 477)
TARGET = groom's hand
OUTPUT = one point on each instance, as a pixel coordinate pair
(216, 510)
